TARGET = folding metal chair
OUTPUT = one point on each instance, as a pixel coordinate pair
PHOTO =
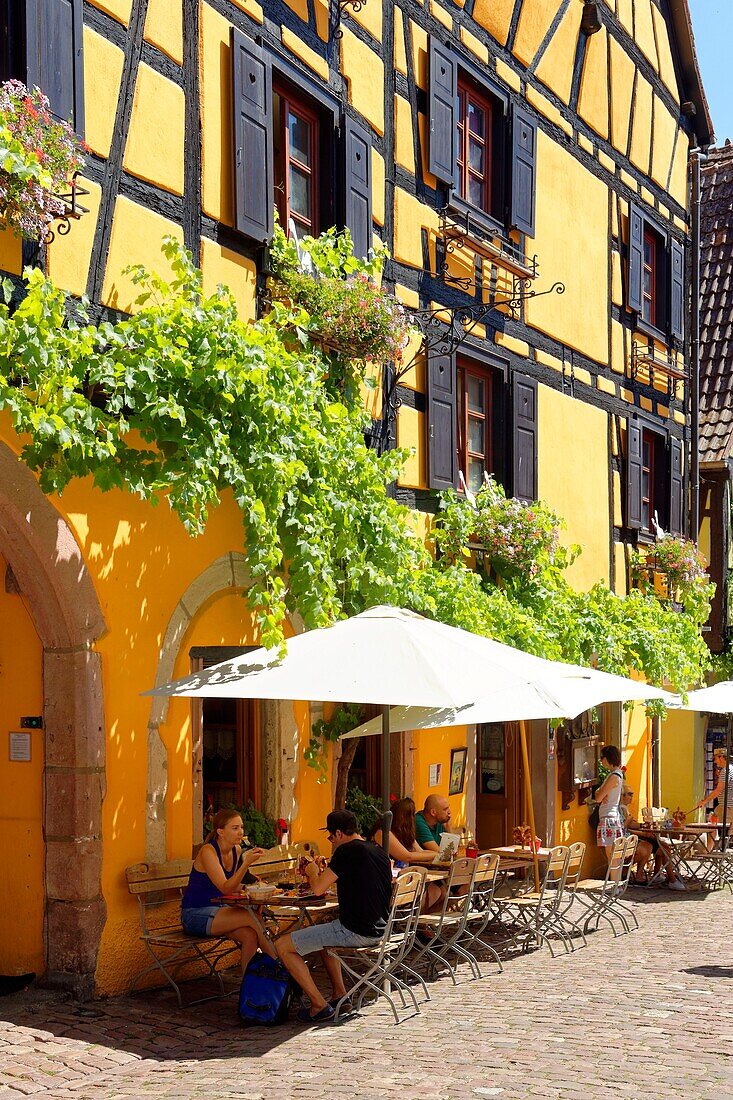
(602, 897)
(576, 858)
(447, 928)
(375, 969)
(481, 910)
(538, 912)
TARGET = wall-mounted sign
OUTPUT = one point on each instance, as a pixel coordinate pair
(32, 722)
(434, 773)
(19, 747)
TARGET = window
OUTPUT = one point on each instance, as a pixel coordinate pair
(482, 147)
(480, 420)
(295, 145)
(648, 504)
(655, 277)
(285, 144)
(655, 484)
(474, 146)
(41, 43)
(474, 424)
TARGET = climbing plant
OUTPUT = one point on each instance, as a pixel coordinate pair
(184, 400)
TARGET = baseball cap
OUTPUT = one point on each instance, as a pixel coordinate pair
(342, 820)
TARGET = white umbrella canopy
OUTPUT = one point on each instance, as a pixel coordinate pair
(385, 655)
(567, 691)
(717, 699)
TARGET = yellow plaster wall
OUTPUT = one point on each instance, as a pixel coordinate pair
(642, 125)
(411, 434)
(622, 89)
(102, 71)
(136, 237)
(636, 753)
(119, 9)
(572, 243)
(682, 759)
(164, 27)
(221, 265)
(593, 100)
(21, 783)
(434, 747)
(364, 71)
(216, 107)
(555, 69)
(495, 16)
(11, 252)
(664, 51)
(369, 16)
(574, 436)
(534, 23)
(69, 256)
(644, 30)
(154, 149)
(665, 132)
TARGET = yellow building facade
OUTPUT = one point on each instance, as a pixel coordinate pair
(498, 149)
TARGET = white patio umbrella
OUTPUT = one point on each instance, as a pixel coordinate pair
(717, 699)
(385, 655)
(573, 690)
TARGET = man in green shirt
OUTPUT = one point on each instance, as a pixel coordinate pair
(431, 821)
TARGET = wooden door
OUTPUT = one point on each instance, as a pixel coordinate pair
(499, 786)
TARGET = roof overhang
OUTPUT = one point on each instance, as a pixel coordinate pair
(693, 89)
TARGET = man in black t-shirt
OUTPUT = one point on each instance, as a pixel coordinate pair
(363, 877)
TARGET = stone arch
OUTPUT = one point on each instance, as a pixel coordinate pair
(280, 733)
(49, 568)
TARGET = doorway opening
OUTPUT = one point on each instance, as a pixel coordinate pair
(499, 783)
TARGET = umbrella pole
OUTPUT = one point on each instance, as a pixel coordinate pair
(386, 804)
(724, 830)
(530, 805)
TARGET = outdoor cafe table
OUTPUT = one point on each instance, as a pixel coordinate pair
(286, 911)
(510, 851)
(690, 857)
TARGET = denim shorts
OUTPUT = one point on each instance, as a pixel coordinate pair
(333, 934)
(197, 922)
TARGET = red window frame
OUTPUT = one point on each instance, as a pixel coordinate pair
(466, 370)
(649, 269)
(292, 105)
(468, 95)
(648, 504)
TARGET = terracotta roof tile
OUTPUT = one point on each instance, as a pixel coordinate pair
(716, 306)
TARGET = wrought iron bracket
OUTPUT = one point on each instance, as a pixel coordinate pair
(338, 7)
(73, 209)
(647, 363)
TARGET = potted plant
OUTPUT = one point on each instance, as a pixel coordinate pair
(39, 157)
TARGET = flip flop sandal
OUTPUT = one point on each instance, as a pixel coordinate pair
(325, 1016)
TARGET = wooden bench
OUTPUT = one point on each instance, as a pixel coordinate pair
(158, 888)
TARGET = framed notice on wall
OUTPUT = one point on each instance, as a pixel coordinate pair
(19, 747)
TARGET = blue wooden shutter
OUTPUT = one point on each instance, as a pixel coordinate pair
(358, 185)
(524, 435)
(636, 257)
(442, 99)
(633, 474)
(442, 445)
(677, 290)
(524, 170)
(54, 49)
(676, 487)
(254, 195)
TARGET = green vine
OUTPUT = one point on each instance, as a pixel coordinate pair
(185, 400)
(326, 731)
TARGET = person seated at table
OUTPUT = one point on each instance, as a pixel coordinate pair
(646, 847)
(221, 867)
(719, 759)
(363, 877)
(431, 821)
(405, 850)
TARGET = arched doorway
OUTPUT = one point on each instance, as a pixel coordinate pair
(47, 567)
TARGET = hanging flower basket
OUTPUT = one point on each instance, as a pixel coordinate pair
(341, 305)
(670, 570)
(39, 158)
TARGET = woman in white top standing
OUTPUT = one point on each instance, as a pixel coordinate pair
(719, 759)
(608, 796)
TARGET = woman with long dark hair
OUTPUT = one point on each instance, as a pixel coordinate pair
(221, 867)
(403, 847)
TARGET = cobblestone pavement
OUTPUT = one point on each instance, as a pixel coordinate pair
(649, 1015)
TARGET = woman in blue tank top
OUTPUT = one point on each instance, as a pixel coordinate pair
(221, 868)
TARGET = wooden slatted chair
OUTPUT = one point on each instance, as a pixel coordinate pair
(445, 930)
(158, 888)
(602, 897)
(481, 911)
(537, 912)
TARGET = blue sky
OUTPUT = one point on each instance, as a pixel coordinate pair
(712, 24)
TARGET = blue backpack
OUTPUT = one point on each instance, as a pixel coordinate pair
(266, 992)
